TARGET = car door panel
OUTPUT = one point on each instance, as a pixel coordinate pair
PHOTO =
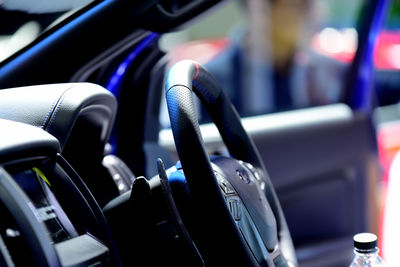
(320, 161)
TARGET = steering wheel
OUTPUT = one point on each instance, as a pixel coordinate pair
(237, 214)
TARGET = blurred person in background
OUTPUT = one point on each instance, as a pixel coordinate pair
(270, 67)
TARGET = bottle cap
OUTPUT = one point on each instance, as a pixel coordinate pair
(365, 242)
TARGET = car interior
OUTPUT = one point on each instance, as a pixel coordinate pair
(117, 152)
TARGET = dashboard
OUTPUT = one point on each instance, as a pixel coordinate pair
(49, 216)
(46, 219)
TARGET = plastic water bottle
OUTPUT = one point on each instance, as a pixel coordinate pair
(366, 251)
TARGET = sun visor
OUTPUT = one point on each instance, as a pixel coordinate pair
(58, 108)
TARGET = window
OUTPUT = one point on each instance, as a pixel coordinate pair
(275, 55)
(22, 21)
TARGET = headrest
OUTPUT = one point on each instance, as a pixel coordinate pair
(56, 107)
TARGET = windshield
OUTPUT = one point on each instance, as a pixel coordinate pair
(22, 21)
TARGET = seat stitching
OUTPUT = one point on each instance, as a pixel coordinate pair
(48, 114)
(55, 112)
(57, 103)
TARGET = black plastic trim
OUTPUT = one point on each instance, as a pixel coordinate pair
(34, 232)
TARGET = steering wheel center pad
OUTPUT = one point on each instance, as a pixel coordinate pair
(243, 194)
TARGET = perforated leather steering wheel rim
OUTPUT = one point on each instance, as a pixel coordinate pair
(187, 77)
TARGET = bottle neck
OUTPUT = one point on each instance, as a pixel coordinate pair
(362, 252)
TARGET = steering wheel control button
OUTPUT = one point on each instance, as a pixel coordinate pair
(12, 233)
(235, 208)
(226, 187)
(243, 176)
(256, 174)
